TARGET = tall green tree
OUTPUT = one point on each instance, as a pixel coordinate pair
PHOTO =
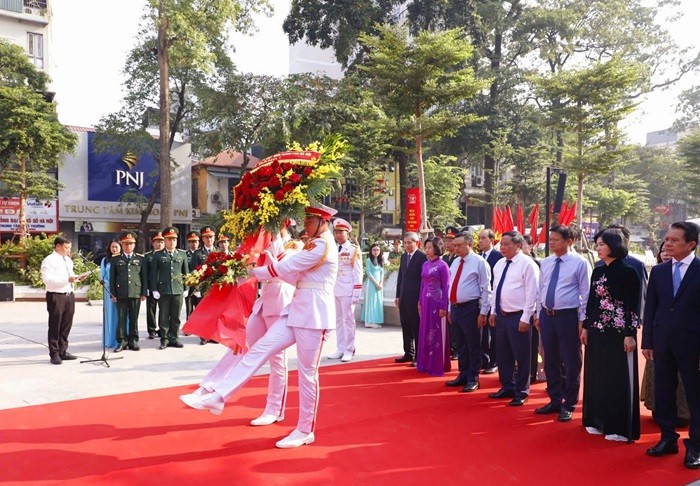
(420, 82)
(31, 138)
(443, 182)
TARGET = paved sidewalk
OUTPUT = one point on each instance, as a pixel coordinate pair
(27, 377)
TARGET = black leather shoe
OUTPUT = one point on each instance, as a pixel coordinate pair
(692, 459)
(663, 448)
(151, 335)
(454, 356)
(202, 341)
(517, 402)
(455, 382)
(134, 347)
(56, 360)
(120, 348)
(413, 364)
(163, 345)
(176, 344)
(565, 415)
(547, 409)
(403, 359)
(68, 357)
(502, 394)
(470, 387)
(491, 370)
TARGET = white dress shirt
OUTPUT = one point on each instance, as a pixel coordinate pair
(686, 263)
(55, 272)
(474, 281)
(519, 290)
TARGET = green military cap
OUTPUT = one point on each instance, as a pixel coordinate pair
(170, 232)
(208, 231)
(451, 232)
(157, 236)
(192, 236)
(127, 237)
(222, 237)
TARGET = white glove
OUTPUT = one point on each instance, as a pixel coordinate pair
(355, 299)
(156, 294)
(197, 293)
(187, 293)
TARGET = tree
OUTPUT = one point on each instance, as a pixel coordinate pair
(443, 182)
(31, 138)
(419, 82)
(689, 150)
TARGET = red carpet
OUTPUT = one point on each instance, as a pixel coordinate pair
(379, 423)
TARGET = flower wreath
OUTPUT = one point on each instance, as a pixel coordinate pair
(219, 269)
(280, 187)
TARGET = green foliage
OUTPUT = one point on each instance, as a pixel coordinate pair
(17, 71)
(95, 291)
(443, 183)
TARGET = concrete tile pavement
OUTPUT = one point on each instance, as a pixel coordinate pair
(27, 377)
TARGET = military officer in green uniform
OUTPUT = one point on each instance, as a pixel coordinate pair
(128, 285)
(208, 235)
(191, 300)
(166, 276)
(157, 244)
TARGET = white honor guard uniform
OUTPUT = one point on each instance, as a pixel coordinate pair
(275, 296)
(347, 291)
(308, 318)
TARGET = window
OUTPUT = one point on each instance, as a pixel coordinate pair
(35, 49)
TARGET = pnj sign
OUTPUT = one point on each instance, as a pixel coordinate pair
(112, 176)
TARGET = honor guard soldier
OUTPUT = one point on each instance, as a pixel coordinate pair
(306, 321)
(128, 286)
(166, 275)
(191, 300)
(348, 288)
(157, 244)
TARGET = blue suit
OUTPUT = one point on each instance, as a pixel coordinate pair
(672, 331)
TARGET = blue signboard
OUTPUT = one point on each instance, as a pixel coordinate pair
(111, 176)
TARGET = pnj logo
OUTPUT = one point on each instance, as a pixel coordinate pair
(125, 177)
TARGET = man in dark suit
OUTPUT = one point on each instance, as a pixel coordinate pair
(166, 274)
(671, 338)
(128, 285)
(488, 336)
(157, 244)
(407, 294)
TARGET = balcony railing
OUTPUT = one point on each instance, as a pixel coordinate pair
(41, 4)
(19, 5)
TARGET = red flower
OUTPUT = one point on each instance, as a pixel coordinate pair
(198, 267)
(286, 166)
(308, 171)
(237, 256)
(208, 272)
(222, 269)
(279, 195)
(294, 178)
(274, 182)
(288, 187)
(254, 207)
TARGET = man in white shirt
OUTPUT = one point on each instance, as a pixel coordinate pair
(516, 279)
(58, 277)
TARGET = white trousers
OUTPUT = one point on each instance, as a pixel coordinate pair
(277, 383)
(277, 338)
(345, 324)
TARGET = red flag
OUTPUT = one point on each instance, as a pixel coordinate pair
(534, 220)
(496, 223)
(543, 233)
(563, 213)
(507, 220)
(519, 220)
(572, 214)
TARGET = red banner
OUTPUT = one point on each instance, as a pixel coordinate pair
(413, 209)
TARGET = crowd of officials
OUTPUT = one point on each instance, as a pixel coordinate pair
(505, 311)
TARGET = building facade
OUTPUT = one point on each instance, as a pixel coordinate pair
(27, 23)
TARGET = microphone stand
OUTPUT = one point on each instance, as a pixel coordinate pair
(103, 359)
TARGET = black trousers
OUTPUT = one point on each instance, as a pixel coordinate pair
(61, 308)
(562, 345)
(128, 308)
(191, 303)
(488, 348)
(468, 338)
(408, 313)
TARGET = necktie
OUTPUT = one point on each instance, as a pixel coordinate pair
(340, 248)
(483, 254)
(455, 283)
(500, 286)
(676, 277)
(549, 299)
(408, 260)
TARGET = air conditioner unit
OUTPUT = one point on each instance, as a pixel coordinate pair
(479, 181)
(216, 198)
(34, 11)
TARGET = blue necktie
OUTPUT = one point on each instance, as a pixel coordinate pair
(549, 299)
(676, 277)
(500, 286)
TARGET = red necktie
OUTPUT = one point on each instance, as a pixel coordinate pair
(455, 283)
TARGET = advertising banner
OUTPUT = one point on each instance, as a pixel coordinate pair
(412, 209)
(42, 215)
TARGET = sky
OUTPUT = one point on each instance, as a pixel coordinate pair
(91, 38)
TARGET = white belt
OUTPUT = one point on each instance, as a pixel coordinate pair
(273, 280)
(312, 285)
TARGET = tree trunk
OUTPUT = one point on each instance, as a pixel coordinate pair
(489, 161)
(23, 228)
(165, 180)
(402, 160)
(424, 225)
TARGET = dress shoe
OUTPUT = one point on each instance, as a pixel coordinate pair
(120, 348)
(551, 407)
(56, 360)
(151, 335)
(517, 402)
(565, 415)
(337, 355)
(134, 347)
(202, 341)
(413, 364)
(176, 344)
(347, 356)
(455, 382)
(296, 439)
(663, 448)
(403, 359)
(692, 459)
(163, 345)
(502, 394)
(210, 401)
(267, 419)
(470, 387)
(454, 356)
(68, 357)
(491, 370)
